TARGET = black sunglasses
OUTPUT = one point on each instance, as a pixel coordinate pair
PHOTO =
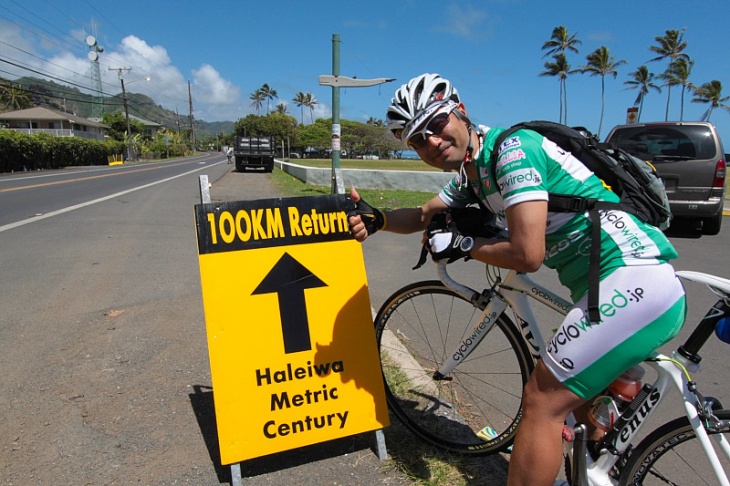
(434, 127)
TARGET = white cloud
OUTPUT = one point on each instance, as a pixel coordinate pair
(214, 98)
(462, 21)
(212, 88)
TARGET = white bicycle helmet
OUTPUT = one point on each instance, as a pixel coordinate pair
(416, 102)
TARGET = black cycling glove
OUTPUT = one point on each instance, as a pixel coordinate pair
(372, 217)
(446, 241)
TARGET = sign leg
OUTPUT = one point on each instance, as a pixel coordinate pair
(236, 479)
(380, 441)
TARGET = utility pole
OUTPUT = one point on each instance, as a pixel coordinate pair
(192, 120)
(130, 147)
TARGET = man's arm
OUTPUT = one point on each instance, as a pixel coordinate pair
(403, 221)
(524, 250)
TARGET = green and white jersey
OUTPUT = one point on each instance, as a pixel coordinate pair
(529, 167)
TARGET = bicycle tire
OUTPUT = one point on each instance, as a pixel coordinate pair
(671, 455)
(415, 327)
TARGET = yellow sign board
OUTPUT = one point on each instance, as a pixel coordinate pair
(290, 335)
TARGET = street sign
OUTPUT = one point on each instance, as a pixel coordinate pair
(632, 115)
(290, 335)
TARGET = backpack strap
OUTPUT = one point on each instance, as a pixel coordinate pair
(594, 266)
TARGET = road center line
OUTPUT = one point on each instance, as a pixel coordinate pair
(95, 201)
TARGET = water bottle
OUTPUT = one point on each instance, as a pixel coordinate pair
(607, 409)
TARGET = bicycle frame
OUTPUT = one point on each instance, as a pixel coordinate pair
(513, 292)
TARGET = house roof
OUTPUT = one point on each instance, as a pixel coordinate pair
(40, 113)
(146, 123)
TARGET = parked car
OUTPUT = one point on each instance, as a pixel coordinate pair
(690, 159)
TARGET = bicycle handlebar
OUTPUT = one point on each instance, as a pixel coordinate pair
(466, 292)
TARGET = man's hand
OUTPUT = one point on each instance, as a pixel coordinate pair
(364, 220)
(445, 240)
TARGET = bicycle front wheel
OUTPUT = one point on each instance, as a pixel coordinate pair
(477, 408)
(673, 455)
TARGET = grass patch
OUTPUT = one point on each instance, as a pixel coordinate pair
(292, 187)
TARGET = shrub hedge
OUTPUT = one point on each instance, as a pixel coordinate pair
(20, 151)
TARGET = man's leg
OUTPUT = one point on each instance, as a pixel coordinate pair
(538, 450)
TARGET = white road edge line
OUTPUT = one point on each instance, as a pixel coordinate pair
(95, 201)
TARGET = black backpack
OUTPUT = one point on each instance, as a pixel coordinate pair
(635, 181)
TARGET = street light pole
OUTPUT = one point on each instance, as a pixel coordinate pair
(336, 81)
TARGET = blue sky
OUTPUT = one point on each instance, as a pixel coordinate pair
(490, 49)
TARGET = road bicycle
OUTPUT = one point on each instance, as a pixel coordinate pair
(455, 363)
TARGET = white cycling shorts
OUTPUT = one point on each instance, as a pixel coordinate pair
(641, 308)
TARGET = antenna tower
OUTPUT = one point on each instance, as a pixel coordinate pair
(97, 107)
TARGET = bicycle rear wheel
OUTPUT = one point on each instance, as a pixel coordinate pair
(673, 455)
(477, 408)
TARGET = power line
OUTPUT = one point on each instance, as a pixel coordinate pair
(51, 40)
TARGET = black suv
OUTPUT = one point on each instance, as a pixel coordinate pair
(689, 158)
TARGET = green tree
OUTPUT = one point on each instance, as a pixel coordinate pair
(601, 63)
(13, 96)
(642, 80)
(281, 108)
(711, 93)
(678, 75)
(117, 123)
(300, 100)
(560, 69)
(669, 47)
(311, 102)
(268, 93)
(317, 135)
(280, 126)
(257, 99)
(561, 41)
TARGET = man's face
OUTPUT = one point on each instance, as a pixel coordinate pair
(444, 146)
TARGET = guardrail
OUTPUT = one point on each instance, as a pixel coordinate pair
(406, 180)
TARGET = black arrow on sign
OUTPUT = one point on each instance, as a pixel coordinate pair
(289, 279)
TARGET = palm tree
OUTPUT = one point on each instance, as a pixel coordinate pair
(711, 93)
(670, 46)
(14, 96)
(257, 98)
(281, 108)
(601, 63)
(560, 41)
(310, 102)
(300, 100)
(560, 69)
(678, 75)
(269, 94)
(644, 81)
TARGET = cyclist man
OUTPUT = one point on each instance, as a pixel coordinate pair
(641, 301)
